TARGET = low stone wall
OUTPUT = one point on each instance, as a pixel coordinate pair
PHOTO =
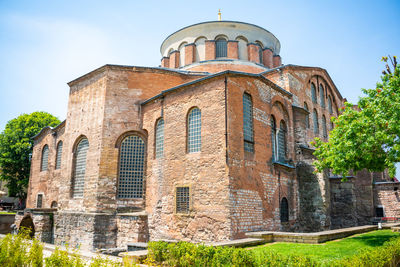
(43, 220)
(5, 222)
(132, 227)
(311, 238)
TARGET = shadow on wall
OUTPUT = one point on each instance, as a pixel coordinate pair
(312, 214)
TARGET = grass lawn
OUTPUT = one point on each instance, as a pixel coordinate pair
(8, 212)
(333, 249)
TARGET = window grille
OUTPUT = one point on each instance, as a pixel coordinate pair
(39, 201)
(182, 200)
(260, 54)
(248, 123)
(282, 142)
(322, 95)
(324, 129)
(80, 168)
(45, 158)
(313, 94)
(131, 167)
(59, 154)
(273, 138)
(330, 104)
(315, 120)
(160, 138)
(284, 210)
(220, 48)
(194, 130)
(307, 116)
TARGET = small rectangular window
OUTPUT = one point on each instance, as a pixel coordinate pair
(379, 212)
(182, 200)
(39, 201)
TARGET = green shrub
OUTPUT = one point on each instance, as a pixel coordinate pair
(17, 250)
(64, 258)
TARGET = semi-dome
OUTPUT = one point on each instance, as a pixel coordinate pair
(219, 45)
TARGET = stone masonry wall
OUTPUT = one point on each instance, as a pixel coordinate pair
(203, 172)
(257, 184)
(387, 196)
(131, 228)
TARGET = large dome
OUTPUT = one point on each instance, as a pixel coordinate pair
(217, 45)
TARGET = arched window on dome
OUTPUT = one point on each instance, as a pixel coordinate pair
(200, 49)
(307, 116)
(131, 167)
(79, 168)
(313, 93)
(182, 54)
(45, 158)
(322, 95)
(260, 52)
(221, 48)
(242, 47)
(315, 121)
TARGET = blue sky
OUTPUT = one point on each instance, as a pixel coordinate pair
(45, 44)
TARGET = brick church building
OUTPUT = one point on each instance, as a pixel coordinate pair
(212, 144)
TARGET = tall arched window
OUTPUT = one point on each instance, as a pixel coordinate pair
(330, 104)
(260, 52)
(273, 139)
(194, 131)
(282, 142)
(307, 116)
(313, 94)
(131, 167)
(322, 95)
(284, 210)
(79, 168)
(315, 121)
(58, 155)
(248, 132)
(45, 158)
(159, 140)
(221, 48)
(324, 129)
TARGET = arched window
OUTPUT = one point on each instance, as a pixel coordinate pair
(45, 158)
(324, 129)
(273, 139)
(182, 52)
(260, 52)
(315, 121)
(313, 94)
(131, 167)
(330, 104)
(242, 46)
(248, 123)
(194, 131)
(284, 210)
(58, 155)
(79, 168)
(221, 48)
(307, 116)
(282, 142)
(159, 138)
(322, 95)
(200, 49)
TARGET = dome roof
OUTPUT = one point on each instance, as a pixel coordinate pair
(231, 30)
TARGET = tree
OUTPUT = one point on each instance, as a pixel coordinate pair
(16, 146)
(367, 135)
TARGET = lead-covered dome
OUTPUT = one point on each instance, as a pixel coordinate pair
(218, 45)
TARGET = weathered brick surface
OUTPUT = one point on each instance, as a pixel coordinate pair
(231, 191)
